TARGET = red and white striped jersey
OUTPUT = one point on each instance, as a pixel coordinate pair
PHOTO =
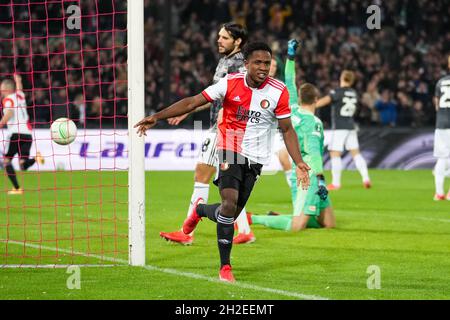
(249, 114)
(19, 122)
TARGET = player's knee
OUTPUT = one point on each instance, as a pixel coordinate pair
(329, 224)
(22, 164)
(229, 208)
(354, 152)
(335, 154)
(6, 161)
(299, 223)
(203, 173)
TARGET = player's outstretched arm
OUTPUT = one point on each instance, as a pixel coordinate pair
(292, 146)
(179, 108)
(289, 71)
(177, 120)
(324, 101)
(18, 81)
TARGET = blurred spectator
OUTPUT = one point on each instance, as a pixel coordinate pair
(418, 114)
(405, 113)
(387, 108)
(369, 98)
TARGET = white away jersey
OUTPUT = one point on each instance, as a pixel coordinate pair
(19, 122)
(249, 114)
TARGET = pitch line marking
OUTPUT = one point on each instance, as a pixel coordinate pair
(176, 272)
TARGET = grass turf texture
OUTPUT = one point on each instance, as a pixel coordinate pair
(395, 225)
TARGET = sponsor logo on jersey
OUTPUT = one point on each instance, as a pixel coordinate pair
(237, 98)
(265, 104)
(252, 116)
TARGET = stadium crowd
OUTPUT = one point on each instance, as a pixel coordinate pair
(397, 66)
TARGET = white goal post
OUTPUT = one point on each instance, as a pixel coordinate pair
(136, 111)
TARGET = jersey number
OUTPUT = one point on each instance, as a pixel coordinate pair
(349, 107)
(444, 101)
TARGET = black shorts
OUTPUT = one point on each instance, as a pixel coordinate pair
(19, 144)
(239, 173)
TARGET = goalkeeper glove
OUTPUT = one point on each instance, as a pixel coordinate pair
(322, 192)
(292, 47)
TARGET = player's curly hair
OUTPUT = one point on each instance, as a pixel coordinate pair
(255, 46)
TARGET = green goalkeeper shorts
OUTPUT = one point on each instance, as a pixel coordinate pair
(307, 201)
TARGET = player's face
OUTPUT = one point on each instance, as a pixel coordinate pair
(258, 66)
(225, 42)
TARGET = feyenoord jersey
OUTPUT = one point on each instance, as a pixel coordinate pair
(442, 93)
(249, 114)
(343, 107)
(226, 65)
(19, 122)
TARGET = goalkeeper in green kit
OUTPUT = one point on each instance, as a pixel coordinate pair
(312, 207)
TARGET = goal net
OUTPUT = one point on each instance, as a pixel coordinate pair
(72, 203)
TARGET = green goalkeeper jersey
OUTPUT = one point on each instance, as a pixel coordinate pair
(308, 127)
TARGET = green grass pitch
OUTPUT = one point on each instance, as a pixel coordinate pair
(395, 226)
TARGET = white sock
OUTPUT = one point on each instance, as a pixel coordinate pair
(439, 175)
(361, 165)
(288, 173)
(336, 169)
(447, 169)
(201, 190)
(242, 222)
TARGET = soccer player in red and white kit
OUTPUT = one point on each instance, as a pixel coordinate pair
(15, 115)
(253, 105)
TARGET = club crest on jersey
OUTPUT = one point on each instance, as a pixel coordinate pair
(224, 166)
(265, 104)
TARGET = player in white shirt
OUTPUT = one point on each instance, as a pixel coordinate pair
(18, 134)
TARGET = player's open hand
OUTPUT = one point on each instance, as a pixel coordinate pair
(177, 120)
(302, 174)
(293, 44)
(145, 124)
(17, 77)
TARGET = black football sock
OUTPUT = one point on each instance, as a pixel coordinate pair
(225, 232)
(28, 163)
(12, 175)
(209, 210)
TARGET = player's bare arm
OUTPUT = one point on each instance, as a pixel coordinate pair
(291, 142)
(18, 81)
(324, 101)
(436, 103)
(177, 120)
(179, 108)
(6, 116)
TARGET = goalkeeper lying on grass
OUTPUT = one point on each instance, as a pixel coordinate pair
(312, 207)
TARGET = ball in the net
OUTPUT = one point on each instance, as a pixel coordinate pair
(63, 131)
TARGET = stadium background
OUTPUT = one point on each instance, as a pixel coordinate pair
(84, 76)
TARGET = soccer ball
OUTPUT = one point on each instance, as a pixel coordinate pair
(63, 131)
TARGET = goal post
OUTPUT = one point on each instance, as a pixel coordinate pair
(136, 108)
